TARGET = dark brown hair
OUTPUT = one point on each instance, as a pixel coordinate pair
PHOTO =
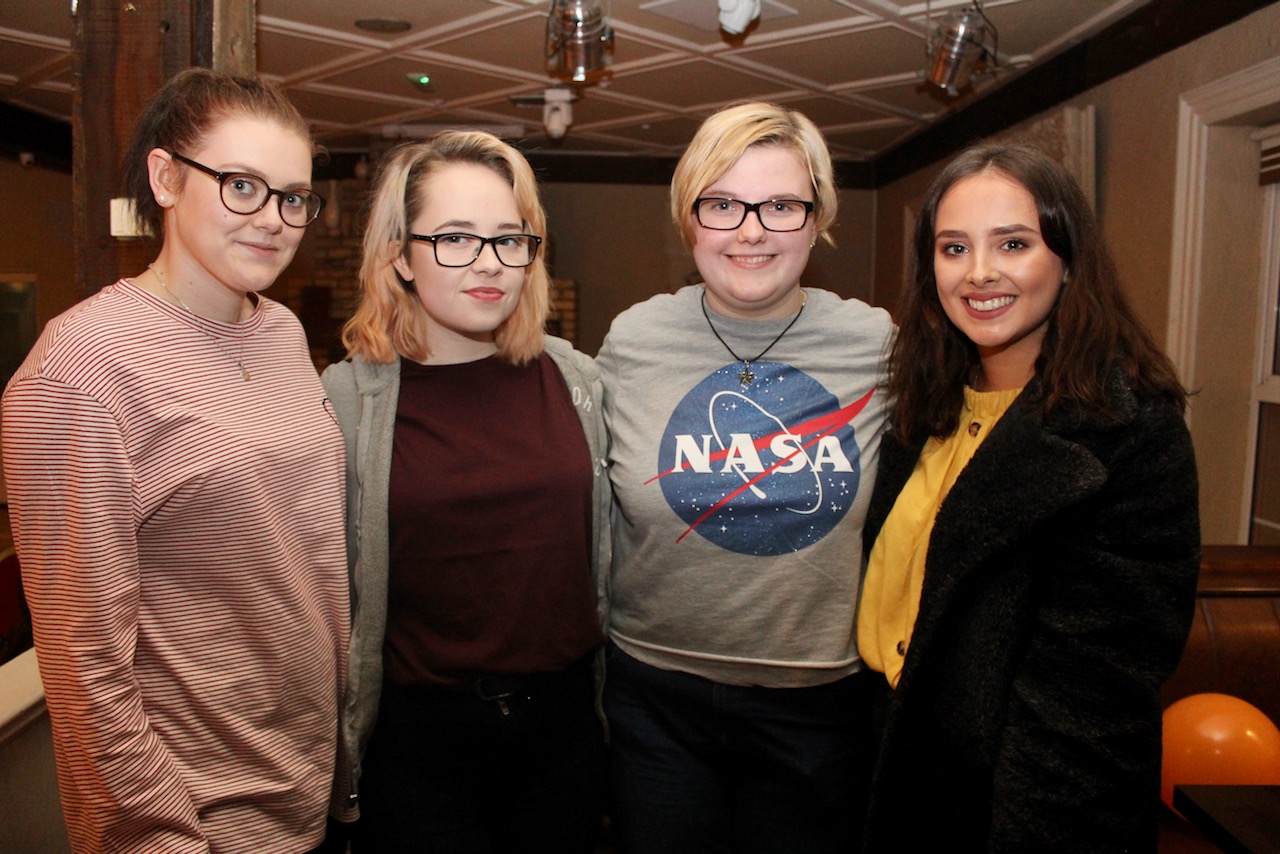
(1091, 333)
(178, 116)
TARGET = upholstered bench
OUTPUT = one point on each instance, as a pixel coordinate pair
(1234, 648)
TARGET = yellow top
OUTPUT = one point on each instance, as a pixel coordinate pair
(895, 571)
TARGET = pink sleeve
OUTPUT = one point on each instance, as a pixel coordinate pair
(71, 500)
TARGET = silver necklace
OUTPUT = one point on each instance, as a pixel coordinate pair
(239, 360)
(746, 376)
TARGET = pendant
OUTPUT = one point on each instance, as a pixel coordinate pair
(244, 374)
(745, 376)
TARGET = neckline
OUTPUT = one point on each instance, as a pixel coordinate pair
(987, 403)
(745, 325)
(218, 328)
(482, 363)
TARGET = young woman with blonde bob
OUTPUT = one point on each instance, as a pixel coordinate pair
(1035, 529)
(745, 415)
(477, 520)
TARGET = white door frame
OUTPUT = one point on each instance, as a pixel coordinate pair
(1221, 101)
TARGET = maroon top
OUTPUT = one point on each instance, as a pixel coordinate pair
(490, 524)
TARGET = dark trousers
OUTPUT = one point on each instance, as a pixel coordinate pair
(337, 834)
(697, 766)
(450, 772)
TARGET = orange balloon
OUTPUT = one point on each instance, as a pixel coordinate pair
(1214, 739)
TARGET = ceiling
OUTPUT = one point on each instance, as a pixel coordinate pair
(853, 66)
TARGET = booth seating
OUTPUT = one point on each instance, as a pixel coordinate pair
(1234, 648)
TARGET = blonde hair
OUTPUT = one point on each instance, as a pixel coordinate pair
(390, 319)
(726, 135)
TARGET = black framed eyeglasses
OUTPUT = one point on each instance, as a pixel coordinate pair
(723, 214)
(459, 249)
(247, 194)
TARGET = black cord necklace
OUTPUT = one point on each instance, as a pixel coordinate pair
(745, 376)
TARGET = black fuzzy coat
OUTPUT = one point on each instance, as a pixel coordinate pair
(1058, 593)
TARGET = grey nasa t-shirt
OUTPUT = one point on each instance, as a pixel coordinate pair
(737, 537)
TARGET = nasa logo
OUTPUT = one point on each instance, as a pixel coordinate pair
(762, 471)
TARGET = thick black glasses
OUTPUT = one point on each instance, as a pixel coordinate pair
(458, 249)
(247, 194)
(723, 214)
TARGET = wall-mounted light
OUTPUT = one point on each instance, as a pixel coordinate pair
(579, 40)
(332, 210)
(737, 15)
(956, 46)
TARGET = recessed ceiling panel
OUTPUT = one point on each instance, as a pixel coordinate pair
(1035, 27)
(448, 83)
(48, 18)
(21, 60)
(341, 15)
(691, 83)
(864, 142)
(862, 55)
(341, 111)
(916, 97)
(852, 65)
(671, 133)
(519, 45)
(833, 111)
(285, 55)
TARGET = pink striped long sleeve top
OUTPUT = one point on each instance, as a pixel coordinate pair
(180, 531)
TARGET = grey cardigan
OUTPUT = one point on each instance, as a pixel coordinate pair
(364, 397)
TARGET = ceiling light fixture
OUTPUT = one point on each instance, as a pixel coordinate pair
(737, 15)
(557, 111)
(579, 40)
(557, 114)
(963, 39)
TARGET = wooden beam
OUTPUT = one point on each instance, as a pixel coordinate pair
(124, 51)
(226, 36)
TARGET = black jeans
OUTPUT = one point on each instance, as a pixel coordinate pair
(699, 767)
(451, 772)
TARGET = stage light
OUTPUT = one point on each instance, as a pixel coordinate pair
(579, 40)
(962, 40)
